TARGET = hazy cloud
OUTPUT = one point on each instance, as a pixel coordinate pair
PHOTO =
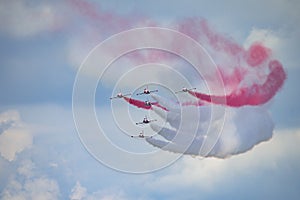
(14, 138)
(28, 183)
(24, 18)
(80, 193)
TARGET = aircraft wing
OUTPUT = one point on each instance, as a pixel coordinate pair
(192, 89)
(140, 137)
(179, 91)
(135, 136)
(153, 91)
(183, 90)
(114, 97)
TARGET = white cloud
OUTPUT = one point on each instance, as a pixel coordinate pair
(107, 195)
(209, 174)
(15, 137)
(14, 141)
(80, 193)
(267, 37)
(8, 116)
(42, 188)
(36, 189)
(29, 183)
(26, 168)
(21, 19)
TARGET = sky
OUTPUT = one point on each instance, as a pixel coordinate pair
(44, 154)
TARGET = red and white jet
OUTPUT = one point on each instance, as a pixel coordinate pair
(120, 95)
(149, 103)
(147, 91)
(185, 90)
(146, 121)
(141, 135)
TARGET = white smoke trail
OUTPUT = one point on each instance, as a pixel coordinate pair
(243, 128)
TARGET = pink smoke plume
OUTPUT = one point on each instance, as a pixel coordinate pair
(107, 22)
(250, 76)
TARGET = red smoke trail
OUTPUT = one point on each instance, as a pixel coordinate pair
(199, 30)
(160, 106)
(137, 103)
(86, 9)
(250, 77)
(107, 21)
(253, 95)
(142, 104)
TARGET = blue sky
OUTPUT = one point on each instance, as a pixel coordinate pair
(42, 46)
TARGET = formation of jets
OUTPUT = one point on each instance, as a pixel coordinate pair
(147, 103)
